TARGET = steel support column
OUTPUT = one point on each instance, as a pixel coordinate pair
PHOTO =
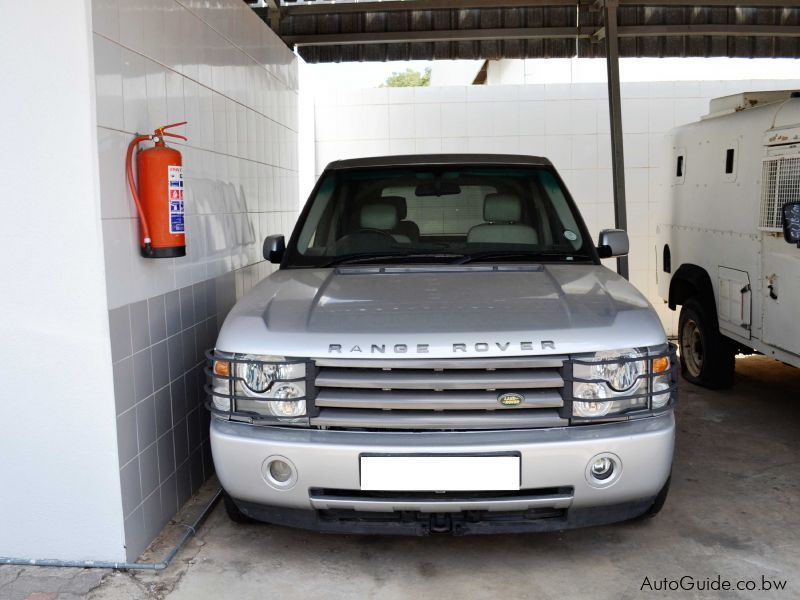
(615, 116)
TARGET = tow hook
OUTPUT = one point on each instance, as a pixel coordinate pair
(441, 523)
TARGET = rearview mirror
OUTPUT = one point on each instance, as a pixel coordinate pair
(274, 247)
(791, 222)
(437, 188)
(613, 242)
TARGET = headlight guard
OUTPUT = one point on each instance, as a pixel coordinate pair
(619, 385)
(259, 388)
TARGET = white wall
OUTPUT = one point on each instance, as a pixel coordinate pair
(59, 481)
(219, 67)
(565, 122)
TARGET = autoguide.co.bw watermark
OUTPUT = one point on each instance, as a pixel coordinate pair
(688, 583)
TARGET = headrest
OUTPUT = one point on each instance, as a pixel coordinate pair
(503, 208)
(399, 202)
(378, 215)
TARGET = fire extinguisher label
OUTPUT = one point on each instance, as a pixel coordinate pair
(175, 192)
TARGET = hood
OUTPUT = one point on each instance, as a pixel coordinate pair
(440, 311)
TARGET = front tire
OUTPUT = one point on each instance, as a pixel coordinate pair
(707, 358)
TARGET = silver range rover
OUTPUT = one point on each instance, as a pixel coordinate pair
(441, 351)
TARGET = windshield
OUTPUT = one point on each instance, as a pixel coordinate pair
(442, 214)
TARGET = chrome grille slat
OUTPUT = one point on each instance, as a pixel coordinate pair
(510, 362)
(438, 393)
(353, 418)
(425, 400)
(439, 380)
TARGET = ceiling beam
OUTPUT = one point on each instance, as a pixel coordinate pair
(530, 33)
(329, 8)
(395, 5)
(718, 30)
(447, 35)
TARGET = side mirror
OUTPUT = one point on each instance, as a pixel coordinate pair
(791, 222)
(274, 247)
(613, 242)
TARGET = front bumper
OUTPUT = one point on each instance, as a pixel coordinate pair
(553, 472)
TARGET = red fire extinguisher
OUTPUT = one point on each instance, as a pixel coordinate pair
(159, 198)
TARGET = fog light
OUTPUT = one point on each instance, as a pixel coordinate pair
(279, 472)
(602, 468)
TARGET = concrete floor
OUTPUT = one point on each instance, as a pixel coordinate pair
(732, 512)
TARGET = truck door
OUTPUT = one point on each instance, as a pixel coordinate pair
(781, 295)
(735, 295)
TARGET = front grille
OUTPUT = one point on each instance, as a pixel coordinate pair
(443, 394)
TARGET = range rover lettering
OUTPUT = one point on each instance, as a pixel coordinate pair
(442, 351)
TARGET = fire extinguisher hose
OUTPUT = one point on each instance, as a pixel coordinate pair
(134, 192)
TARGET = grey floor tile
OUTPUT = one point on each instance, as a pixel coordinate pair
(166, 456)
(181, 442)
(178, 400)
(135, 536)
(160, 357)
(175, 355)
(127, 440)
(140, 325)
(123, 385)
(119, 322)
(183, 477)
(148, 465)
(142, 374)
(169, 497)
(163, 402)
(187, 306)
(146, 422)
(153, 515)
(158, 321)
(131, 486)
(172, 308)
(200, 301)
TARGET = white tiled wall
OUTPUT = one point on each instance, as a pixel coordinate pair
(566, 122)
(217, 66)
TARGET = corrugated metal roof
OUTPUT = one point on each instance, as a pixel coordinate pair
(476, 29)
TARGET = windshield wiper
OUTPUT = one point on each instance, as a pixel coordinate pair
(537, 256)
(372, 257)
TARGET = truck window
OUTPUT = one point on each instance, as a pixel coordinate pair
(729, 154)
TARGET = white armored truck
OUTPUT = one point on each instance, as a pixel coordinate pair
(728, 250)
(441, 351)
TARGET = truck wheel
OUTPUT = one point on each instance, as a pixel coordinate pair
(707, 358)
(234, 514)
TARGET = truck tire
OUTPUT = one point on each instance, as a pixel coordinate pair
(234, 514)
(707, 358)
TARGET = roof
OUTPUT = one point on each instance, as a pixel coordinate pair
(425, 160)
(492, 29)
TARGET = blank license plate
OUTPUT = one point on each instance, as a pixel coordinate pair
(439, 473)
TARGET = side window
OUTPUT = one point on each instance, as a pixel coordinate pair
(679, 166)
(731, 158)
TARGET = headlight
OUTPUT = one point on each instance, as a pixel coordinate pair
(271, 386)
(612, 383)
(610, 374)
(260, 372)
